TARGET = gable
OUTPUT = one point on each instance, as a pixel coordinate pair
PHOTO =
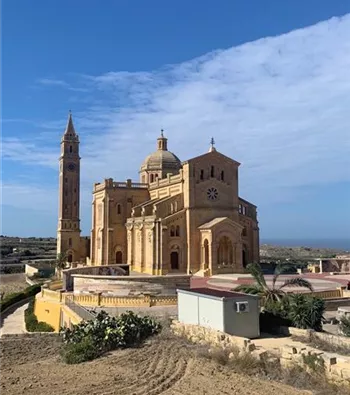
(210, 156)
(219, 222)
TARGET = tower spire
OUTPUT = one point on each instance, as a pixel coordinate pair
(70, 131)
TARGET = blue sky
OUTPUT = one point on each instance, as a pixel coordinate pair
(269, 80)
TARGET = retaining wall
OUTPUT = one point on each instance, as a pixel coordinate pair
(336, 368)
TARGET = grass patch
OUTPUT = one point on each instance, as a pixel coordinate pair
(32, 323)
(74, 353)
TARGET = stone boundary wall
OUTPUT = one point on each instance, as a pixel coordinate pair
(119, 270)
(333, 339)
(129, 285)
(338, 371)
(333, 304)
(201, 335)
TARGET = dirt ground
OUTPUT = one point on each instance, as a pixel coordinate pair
(10, 283)
(161, 366)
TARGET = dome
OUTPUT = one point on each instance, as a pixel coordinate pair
(161, 160)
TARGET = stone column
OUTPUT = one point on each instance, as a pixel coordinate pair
(92, 237)
(213, 250)
(238, 260)
(130, 247)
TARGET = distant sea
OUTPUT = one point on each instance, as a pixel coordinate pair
(339, 244)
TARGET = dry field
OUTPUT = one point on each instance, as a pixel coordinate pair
(161, 366)
(10, 283)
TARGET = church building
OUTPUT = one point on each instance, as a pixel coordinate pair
(182, 217)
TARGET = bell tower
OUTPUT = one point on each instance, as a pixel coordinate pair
(68, 232)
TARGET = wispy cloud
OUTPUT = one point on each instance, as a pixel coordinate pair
(59, 83)
(279, 105)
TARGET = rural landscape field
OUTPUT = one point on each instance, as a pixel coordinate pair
(161, 366)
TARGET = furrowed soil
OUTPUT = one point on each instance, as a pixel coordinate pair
(161, 366)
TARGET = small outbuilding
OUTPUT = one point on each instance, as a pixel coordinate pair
(230, 312)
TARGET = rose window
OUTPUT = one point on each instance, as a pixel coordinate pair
(212, 193)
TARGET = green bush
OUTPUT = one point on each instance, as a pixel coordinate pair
(306, 311)
(32, 323)
(108, 333)
(298, 310)
(13, 298)
(344, 325)
(83, 351)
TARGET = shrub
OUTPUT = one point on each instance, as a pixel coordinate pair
(108, 333)
(344, 325)
(32, 324)
(297, 310)
(314, 362)
(13, 298)
(83, 351)
(306, 311)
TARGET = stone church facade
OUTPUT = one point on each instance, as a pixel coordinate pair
(182, 217)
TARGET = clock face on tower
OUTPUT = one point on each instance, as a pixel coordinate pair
(212, 193)
(71, 167)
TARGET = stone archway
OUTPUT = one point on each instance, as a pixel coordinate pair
(225, 252)
(174, 260)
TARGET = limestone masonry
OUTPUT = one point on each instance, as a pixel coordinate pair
(182, 217)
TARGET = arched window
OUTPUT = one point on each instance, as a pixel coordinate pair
(119, 209)
(70, 258)
(70, 149)
(172, 231)
(177, 232)
(151, 178)
(70, 242)
(212, 172)
(244, 232)
(201, 175)
(222, 177)
(156, 176)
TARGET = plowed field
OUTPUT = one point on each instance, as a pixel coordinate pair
(161, 366)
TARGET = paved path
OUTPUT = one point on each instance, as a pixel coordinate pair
(14, 322)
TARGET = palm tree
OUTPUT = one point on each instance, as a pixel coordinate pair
(274, 293)
(60, 263)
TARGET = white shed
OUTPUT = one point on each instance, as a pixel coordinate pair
(230, 312)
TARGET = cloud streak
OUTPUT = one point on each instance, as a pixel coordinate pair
(278, 105)
(50, 82)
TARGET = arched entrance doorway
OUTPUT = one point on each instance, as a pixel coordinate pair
(244, 258)
(206, 254)
(118, 257)
(174, 260)
(225, 251)
(70, 258)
